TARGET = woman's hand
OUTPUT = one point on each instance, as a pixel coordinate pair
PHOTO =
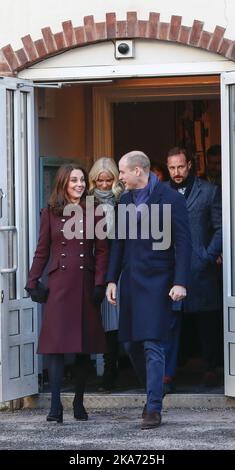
(39, 293)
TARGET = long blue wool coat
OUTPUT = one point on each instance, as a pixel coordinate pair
(205, 220)
(147, 275)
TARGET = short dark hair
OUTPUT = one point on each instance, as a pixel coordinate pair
(137, 158)
(177, 151)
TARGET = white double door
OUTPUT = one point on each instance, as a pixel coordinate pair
(18, 315)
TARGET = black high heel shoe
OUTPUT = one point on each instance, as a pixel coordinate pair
(79, 411)
(57, 418)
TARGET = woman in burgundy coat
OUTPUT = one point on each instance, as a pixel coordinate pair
(76, 278)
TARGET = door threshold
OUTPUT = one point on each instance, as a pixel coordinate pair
(135, 399)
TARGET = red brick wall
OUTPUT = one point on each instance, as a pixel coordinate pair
(90, 32)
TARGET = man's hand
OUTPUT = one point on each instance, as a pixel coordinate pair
(111, 292)
(177, 293)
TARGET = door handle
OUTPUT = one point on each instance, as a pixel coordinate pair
(2, 195)
(13, 229)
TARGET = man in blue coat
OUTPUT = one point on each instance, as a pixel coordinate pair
(204, 299)
(154, 270)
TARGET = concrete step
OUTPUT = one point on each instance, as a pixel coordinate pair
(132, 400)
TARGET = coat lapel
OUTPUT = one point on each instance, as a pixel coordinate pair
(196, 189)
(154, 198)
(156, 195)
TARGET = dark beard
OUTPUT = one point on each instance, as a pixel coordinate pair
(186, 183)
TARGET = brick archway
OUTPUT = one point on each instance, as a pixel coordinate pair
(91, 32)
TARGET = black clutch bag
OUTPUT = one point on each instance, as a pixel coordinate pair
(38, 294)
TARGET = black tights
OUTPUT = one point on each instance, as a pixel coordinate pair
(81, 371)
(56, 373)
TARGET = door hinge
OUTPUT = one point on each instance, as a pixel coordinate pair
(2, 296)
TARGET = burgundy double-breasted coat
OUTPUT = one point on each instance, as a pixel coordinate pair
(71, 321)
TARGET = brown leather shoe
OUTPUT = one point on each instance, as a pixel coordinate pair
(151, 420)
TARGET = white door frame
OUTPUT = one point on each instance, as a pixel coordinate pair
(103, 73)
(18, 314)
(228, 181)
(229, 301)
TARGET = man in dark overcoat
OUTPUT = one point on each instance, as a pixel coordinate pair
(152, 272)
(204, 299)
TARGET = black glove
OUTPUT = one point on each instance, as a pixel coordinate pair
(39, 293)
(99, 294)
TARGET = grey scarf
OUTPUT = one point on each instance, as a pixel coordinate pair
(108, 201)
(105, 197)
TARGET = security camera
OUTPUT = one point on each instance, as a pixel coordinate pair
(124, 49)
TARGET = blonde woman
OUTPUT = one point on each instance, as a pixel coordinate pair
(104, 184)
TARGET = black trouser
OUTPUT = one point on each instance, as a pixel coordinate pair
(111, 359)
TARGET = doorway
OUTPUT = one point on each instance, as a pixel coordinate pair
(156, 126)
(153, 115)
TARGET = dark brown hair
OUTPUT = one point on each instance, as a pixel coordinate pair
(177, 151)
(59, 196)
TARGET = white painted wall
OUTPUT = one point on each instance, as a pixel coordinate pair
(150, 58)
(146, 52)
(30, 16)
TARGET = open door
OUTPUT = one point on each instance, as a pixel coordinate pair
(228, 185)
(18, 319)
